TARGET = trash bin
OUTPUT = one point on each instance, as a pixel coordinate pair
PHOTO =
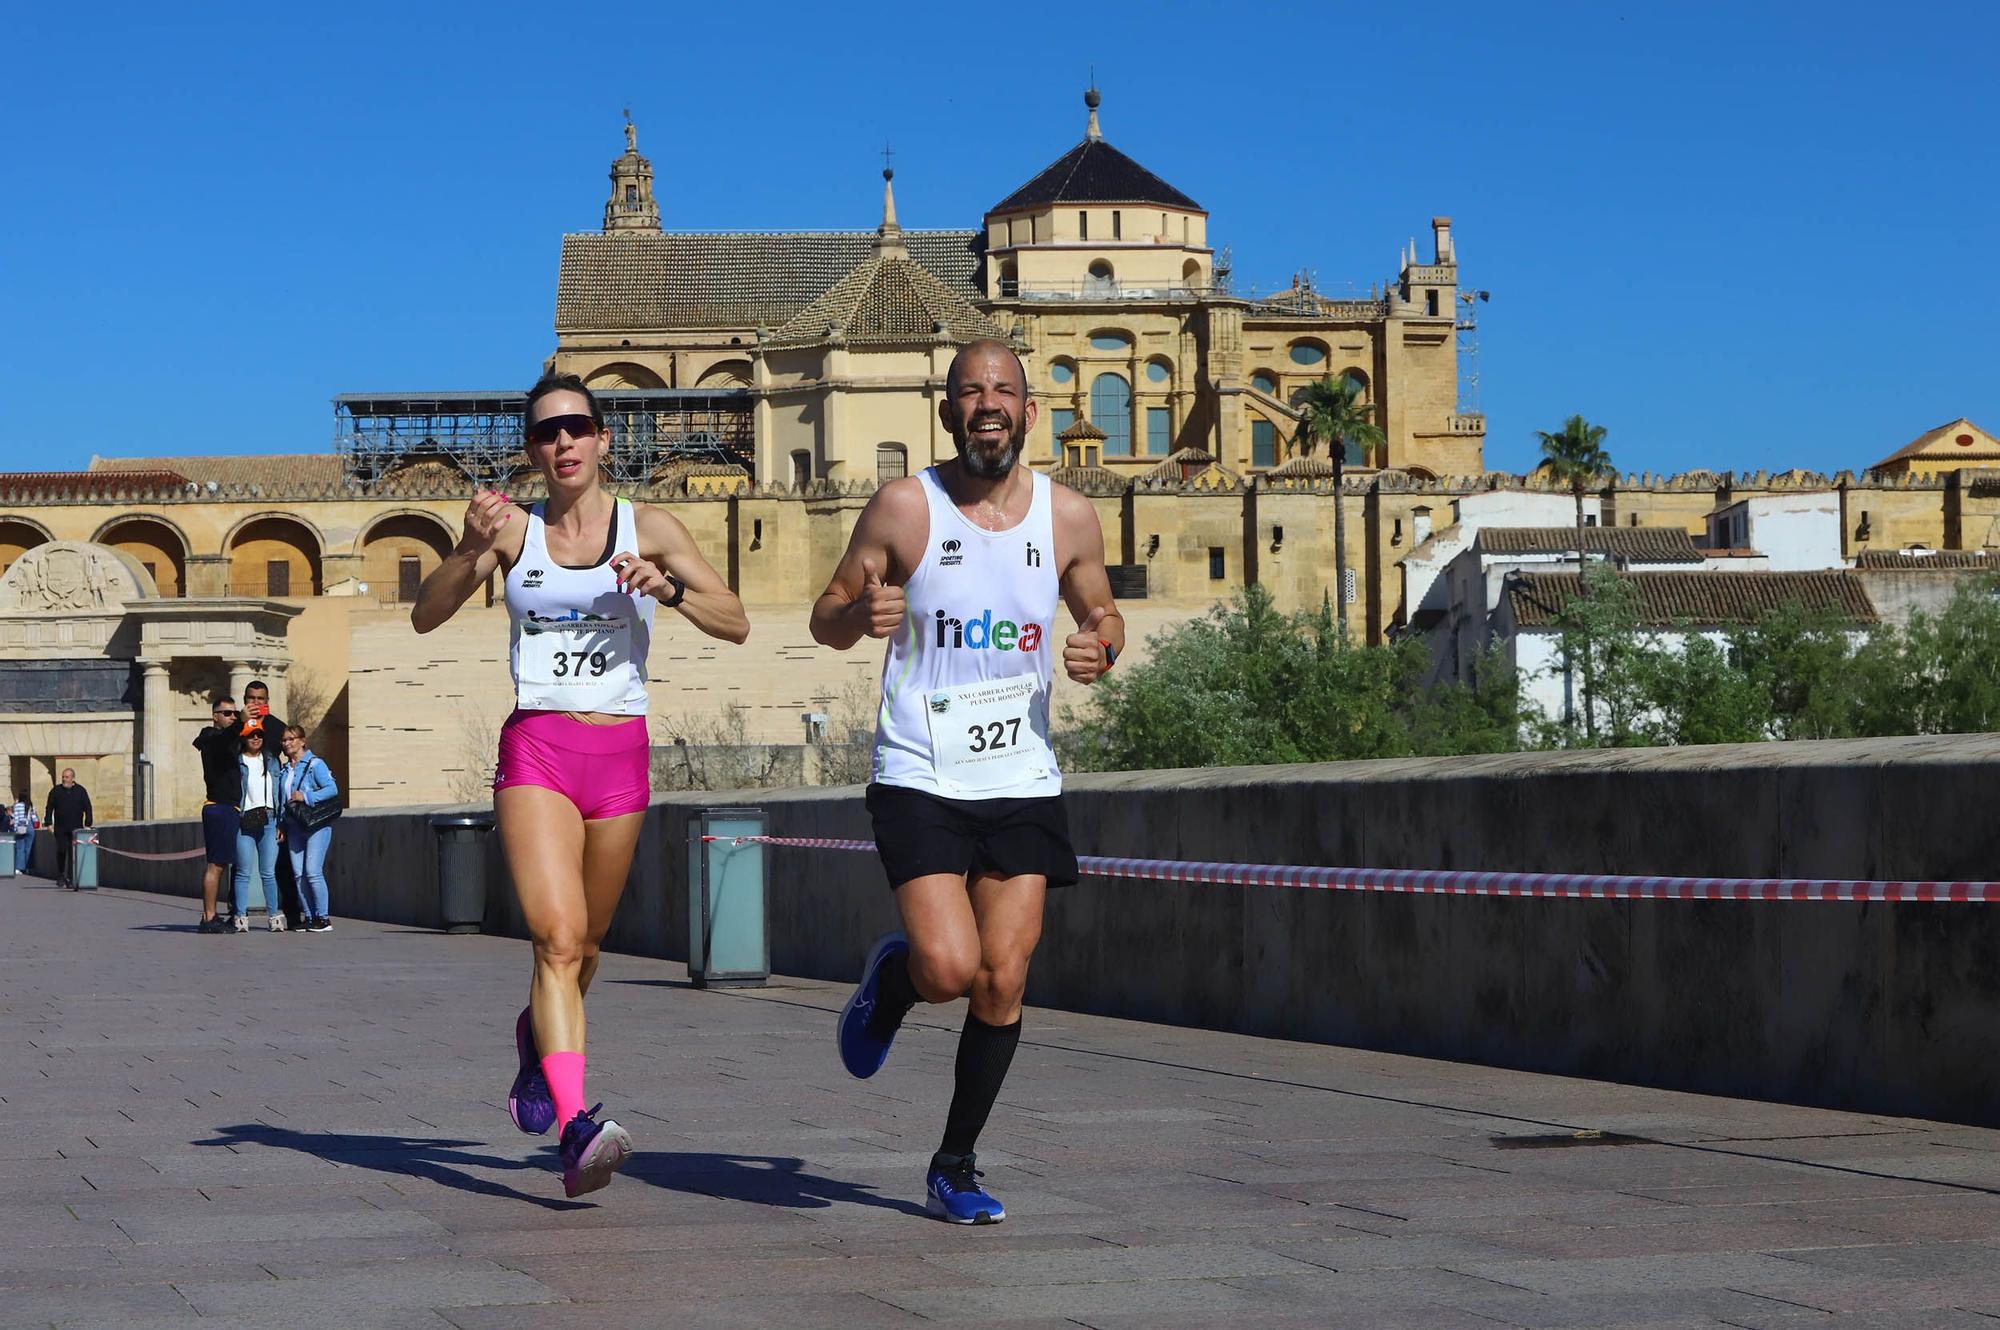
(728, 945)
(84, 867)
(462, 869)
(7, 853)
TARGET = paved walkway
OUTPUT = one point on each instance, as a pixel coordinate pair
(306, 1131)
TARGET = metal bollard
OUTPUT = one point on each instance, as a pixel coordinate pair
(728, 943)
(83, 866)
(462, 869)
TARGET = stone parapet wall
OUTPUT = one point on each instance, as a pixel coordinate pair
(1889, 1008)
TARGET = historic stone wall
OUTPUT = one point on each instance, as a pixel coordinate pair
(1886, 1008)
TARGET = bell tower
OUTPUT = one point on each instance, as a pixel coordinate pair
(631, 210)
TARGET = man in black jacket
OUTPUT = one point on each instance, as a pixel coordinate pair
(221, 746)
(69, 809)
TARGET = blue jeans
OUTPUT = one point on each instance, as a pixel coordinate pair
(308, 851)
(261, 853)
(24, 849)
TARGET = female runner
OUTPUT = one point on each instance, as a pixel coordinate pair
(584, 571)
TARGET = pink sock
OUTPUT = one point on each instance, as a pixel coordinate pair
(564, 1072)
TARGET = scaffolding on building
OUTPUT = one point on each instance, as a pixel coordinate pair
(479, 434)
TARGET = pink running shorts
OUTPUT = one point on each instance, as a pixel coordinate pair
(602, 769)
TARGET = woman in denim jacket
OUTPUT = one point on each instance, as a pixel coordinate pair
(307, 782)
(257, 831)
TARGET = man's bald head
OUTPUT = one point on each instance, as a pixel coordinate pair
(979, 352)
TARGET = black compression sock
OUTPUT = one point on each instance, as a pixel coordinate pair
(984, 1054)
(894, 994)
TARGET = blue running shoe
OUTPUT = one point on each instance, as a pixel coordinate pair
(864, 1046)
(529, 1102)
(591, 1152)
(956, 1196)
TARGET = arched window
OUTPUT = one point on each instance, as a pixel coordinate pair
(274, 556)
(1111, 411)
(1010, 276)
(1061, 371)
(157, 546)
(802, 469)
(1107, 340)
(623, 374)
(892, 462)
(399, 552)
(1358, 379)
(1308, 353)
(1265, 382)
(1191, 274)
(1101, 280)
(725, 374)
(16, 539)
(1158, 371)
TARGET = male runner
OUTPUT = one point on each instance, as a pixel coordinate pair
(960, 568)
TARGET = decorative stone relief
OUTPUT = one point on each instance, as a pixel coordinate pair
(69, 575)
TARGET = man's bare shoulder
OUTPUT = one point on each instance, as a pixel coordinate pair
(898, 500)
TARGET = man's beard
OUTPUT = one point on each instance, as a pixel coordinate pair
(989, 466)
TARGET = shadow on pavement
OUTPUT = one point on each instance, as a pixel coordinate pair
(758, 1179)
(434, 1159)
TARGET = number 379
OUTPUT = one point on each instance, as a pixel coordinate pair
(996, 734)
(576, 664)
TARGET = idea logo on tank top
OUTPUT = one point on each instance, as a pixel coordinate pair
(985, 633)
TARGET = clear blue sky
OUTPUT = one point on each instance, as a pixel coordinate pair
(1738, 236)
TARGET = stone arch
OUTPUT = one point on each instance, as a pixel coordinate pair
(1356, 375)
(155, 543)
(622, 374)
(1191, 274)
(399, 549)
(1010, 278)
(725, 374)
(18, 535)
(259, 544)
(1100, 278)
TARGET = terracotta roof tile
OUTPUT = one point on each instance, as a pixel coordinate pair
(287, 471)
(1704, 599)
(1630, 544)
(887, 301)
(30, 485)
(1935, 561)
(732, 279)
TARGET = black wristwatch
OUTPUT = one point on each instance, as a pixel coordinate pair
(680, 592)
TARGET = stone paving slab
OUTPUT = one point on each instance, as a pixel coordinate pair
(308, 1131)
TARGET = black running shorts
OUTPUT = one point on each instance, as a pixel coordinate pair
(918, 834)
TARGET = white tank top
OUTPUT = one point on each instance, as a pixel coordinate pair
(579, 643)
(965, 687)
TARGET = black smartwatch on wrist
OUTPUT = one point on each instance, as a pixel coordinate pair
(680, 592)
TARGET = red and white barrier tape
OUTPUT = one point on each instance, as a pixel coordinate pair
(157, 858)
(1451, 882)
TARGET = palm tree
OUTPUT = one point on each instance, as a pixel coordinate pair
(1330, 413)
(1575, 457)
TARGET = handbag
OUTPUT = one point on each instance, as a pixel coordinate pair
(252, 821)
(313, 816)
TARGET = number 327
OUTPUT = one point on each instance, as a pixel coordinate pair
(997, 734)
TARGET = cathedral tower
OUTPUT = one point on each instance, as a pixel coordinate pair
(631, 208)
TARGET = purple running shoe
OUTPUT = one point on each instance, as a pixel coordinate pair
(591, 1152)
(529, 1102)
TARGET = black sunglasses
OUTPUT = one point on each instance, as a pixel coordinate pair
(576, 426)
(227, 711)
